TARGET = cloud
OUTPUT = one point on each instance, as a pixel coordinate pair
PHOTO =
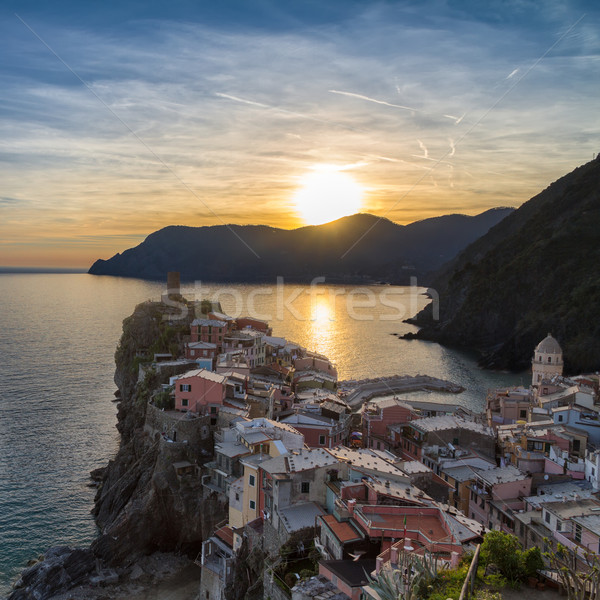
(237, 115)
(361, 97)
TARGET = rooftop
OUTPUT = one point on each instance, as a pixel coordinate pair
(299, 516)
(208, 323)
(444, 422)
(342, 530)
(351, 572)
(205, 345)
(204, 374)
(502, 475)
(363, 458)
(590, 522)
(549, 345)
(573, 508)
(300, 460)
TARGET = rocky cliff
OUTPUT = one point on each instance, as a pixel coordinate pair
(142, 505)
(534, 272)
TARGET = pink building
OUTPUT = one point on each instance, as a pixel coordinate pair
(200, 391)
(209, 330)
(198, 350)
(347, 575)
(257, 324)
(319, 431)
(377, 415)
(315, 362)
(496, 494)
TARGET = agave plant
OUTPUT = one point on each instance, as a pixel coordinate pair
(411, 573)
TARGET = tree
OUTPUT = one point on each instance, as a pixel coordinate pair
(576, 581)
(503, 550)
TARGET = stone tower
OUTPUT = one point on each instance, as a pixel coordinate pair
(547, 360)
(173, 284)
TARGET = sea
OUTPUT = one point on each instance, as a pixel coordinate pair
(58, 335)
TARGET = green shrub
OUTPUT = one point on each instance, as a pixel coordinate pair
(164, 400)
(532, 561)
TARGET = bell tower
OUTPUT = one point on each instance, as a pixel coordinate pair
(547, 361)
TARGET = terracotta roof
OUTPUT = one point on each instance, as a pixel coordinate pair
(226, 535)
(342, 530)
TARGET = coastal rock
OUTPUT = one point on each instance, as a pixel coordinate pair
(61, 569)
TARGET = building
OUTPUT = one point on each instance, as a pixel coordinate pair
(202, 352)
(248, 342)
(209, 330)
(319, 431)
(377, 415)
(508, 406)
(200, 391)
(418, 438)
(496, 494)
(547, 361)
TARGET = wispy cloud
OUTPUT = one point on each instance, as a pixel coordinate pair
(240, 114)
(383, 102)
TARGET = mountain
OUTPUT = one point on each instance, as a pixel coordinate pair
(361, 247)
(534, 272)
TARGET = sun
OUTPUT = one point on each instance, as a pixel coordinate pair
(327, 194)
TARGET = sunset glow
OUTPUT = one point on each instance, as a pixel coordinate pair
(326, 195)
(119, 119)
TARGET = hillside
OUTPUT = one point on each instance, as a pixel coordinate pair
(387, 252)
(534, 272)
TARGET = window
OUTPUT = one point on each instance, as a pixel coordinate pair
(558, 525)
(252, 480)
(547, 517)
(578, 533)
(560, 418)
(549, 359)
(185, 387)
(523, 414)
(237, 496)
(213, 410)
(252, 505)
(184, 402)
(305, 487)
(321, 440)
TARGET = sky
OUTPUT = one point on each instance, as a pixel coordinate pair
(117, 119)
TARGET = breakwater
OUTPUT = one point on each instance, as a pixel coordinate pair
(356, 393)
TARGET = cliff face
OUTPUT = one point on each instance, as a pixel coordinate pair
(358, 248)
(142, 506)
(534, 272)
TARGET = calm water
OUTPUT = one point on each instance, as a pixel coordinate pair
(58, 333)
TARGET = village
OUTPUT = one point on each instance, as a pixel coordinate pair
(336, 482)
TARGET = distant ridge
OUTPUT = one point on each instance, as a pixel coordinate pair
(388, 252)
(534, 272)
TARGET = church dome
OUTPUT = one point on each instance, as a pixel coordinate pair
(548, 346)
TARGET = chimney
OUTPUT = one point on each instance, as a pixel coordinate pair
(394, 555)
(351, 505)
